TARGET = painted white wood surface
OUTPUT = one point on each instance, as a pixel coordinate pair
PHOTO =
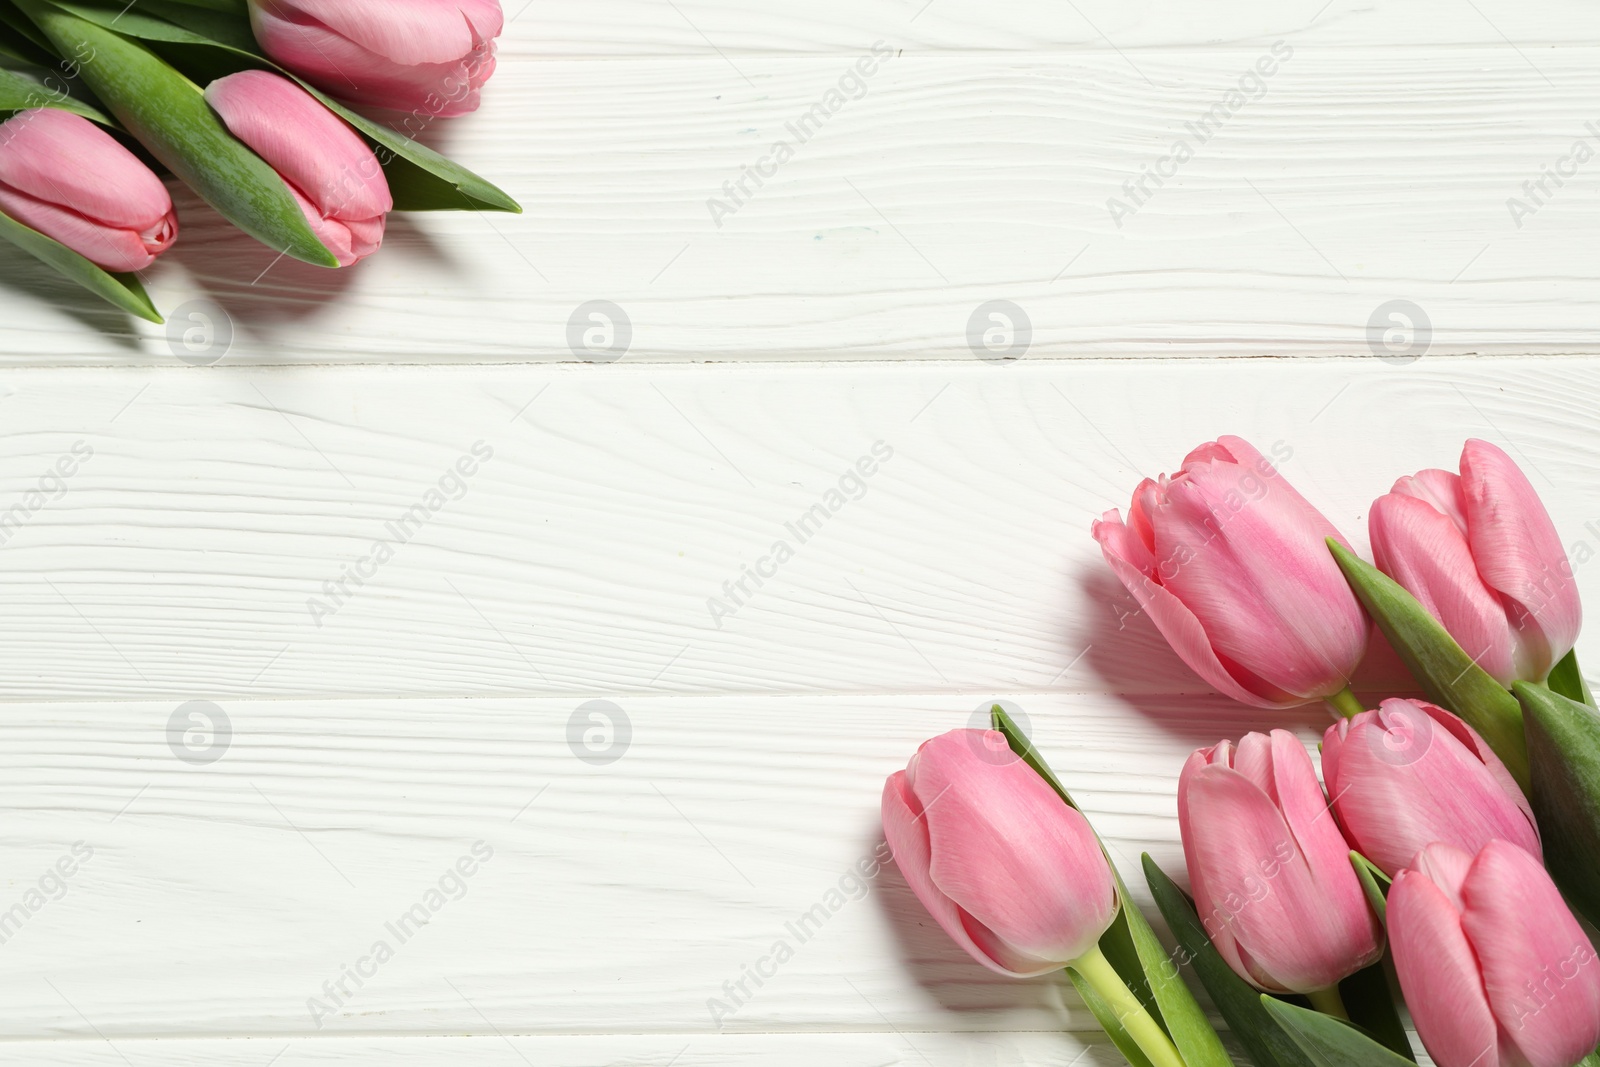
(190, 556)
(1374, 164)
(433, 708)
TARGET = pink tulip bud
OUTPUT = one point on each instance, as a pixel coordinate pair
(1010, 870)
(1233, 567)
(1270, 871)
(332, 173)
(1479, 551)
(1495, 969)
(64, 176)
(1410, 774)
(429, 57)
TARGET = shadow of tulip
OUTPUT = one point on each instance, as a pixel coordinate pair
(29, 279)
(957, 981)
(1139, 667)
(258, 287)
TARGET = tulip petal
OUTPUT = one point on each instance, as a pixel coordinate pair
(1539, 970)
(1441, 489)
(1255, 566)
(1288, 939)
(310, 146)
(1519, 552)
(1439, 975)
(905, 828)
(1473, 742)
(1422, 549)
(109, 247)
(1176, 622)
(60, 158)
(998, 832)
(1403, 778)
(407, 32)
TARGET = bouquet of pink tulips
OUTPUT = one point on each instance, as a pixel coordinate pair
(295, 119)
(1437, 860)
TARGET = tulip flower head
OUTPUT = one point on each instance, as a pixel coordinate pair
(1010, 871)
(1270, 871)
(1409, 774)
(1495, 969)
(429, 57)
(65, 177)
(1479, 551)
(332, 173)
(1232, 566)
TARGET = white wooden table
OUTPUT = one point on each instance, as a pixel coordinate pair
(380, 726)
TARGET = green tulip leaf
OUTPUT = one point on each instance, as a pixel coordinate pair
(21, 39)
(1110, 1021)
(18, 92)
(1137, 955)
(1374, 883)
(1328, 1042)
(1239, 1002)
(1564, 751)
(419, 178)
(135, 21)
(123, 290)
(1446, 673)
(240, 8)
(1566, 679)
(1371, 1004)
(166, 112)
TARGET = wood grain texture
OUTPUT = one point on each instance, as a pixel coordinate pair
(199, 551)
(625, 28)
(1352, 178)
(172, 533)
(616, 897)
(621, 1050)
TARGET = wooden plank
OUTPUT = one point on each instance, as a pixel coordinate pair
(205, 549)
(1348, 180)
(218, 898)
(776, 1050)
(699, 27)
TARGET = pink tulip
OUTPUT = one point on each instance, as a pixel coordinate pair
(1495, 969)
(332, 173)
(1013, 874)
(1233, 567)
(64, 176)
(430, 57)
(1481, 554)
(1410, 774)
(1271, 874)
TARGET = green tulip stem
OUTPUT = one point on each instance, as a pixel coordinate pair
(1096, 970)
(1346, 703)
(1328, 1002)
